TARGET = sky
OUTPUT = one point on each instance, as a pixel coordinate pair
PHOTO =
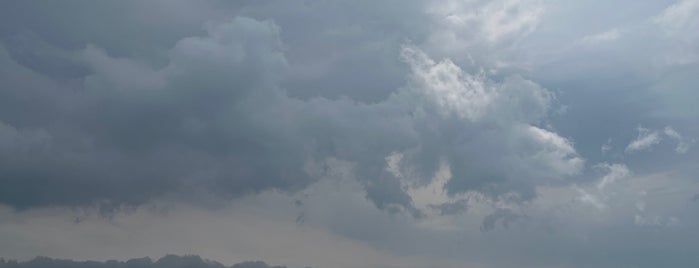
(367, 134)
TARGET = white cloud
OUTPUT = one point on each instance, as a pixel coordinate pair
(678, 15)
(599, 195)
(648, 138)
(449, 87)
(644, 141)
(678, 24)
(606, 147)
(604, 37)
(641, 220)
(614, 173)
(484, 32)
(683, 144)
(617, 197)
(513, 107)
(559, 152)
(494, 20)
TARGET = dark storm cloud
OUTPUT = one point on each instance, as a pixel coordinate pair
(96, 124)
(121, 137)
(346, 49)
(169, 261)
(505, 132)
(111, 109)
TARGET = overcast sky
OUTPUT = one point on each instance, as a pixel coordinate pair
(368, 134)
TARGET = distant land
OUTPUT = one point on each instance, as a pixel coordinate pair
(169, 261)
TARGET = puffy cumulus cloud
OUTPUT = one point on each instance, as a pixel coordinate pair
(492, 117)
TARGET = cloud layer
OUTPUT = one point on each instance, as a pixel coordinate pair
(382, 134)
(214, 119)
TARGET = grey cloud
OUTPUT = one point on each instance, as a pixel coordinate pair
(121, 136)
(212, 111)
(126, 29)
(451, 208)
(345, 49)
(504, 216)
(254, 264)
(455, 117)
(214, 119)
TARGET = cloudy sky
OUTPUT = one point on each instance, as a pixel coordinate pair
(369, 134)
